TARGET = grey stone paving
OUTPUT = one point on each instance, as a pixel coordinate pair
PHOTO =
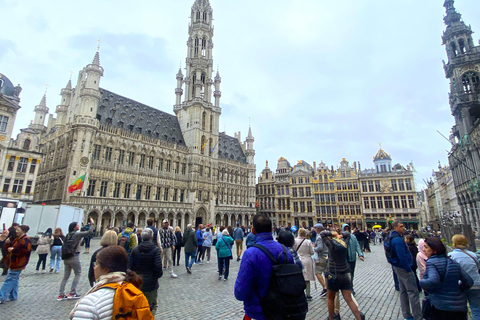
(201, 295)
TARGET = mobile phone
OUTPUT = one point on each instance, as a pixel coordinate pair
(4, 228)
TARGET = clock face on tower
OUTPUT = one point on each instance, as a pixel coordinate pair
(83, 161)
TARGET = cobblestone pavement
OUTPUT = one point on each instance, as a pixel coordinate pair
(201, 295)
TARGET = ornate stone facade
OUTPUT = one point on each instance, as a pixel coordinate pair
(140, 162)
(20, 157)
(463, 71)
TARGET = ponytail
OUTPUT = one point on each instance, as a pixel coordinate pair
(134, 278)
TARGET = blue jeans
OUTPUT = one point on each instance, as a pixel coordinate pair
(56, 252)
(10, 286)
(189, 256)
(473, 296)
(224, 267)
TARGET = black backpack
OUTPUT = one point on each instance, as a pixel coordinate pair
(68, 249)
(389, 252)
(285, 298)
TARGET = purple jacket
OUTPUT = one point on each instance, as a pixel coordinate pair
(253, 277)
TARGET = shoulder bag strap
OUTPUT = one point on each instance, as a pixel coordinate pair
(227, 244)
(269, 255)
(300, 244)
(478, 266)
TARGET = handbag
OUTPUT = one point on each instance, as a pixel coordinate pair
(330, 276)
(427, 310)
(231, 254)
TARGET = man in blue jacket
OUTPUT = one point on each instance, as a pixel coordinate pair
(353, 248)
(255, 268)
(402, 261)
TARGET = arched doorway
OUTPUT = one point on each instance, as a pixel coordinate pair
(218, 220)
(200, 217)
(225, 220)
(247, 220)
(170, 219)
(94, 216)
(118, 219)
(130, 217)
(142, 219)
(106, 221)
(187, 219)
(161, 217)
(178, 220)
(233, 221)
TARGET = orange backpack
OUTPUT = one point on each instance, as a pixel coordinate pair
(129, 302)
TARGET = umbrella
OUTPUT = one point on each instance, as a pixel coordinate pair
(377, 227)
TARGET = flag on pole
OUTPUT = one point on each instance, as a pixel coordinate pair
(211, 151)
(203, 147)
(78, 184)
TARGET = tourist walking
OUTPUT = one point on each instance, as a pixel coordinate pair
(470, 264)
(178, 246)
(304, 248)
(156, 237)
(320, 257)
(401, 262)
(56, 250)
(199, 234)
(10, 234)
(19, 254)
(354, 250)
(87, 238)
(412, 247)
(446, 283)
(71, 260)
(111, 273)
(207, 243)
(168, 240)
(339, 278)
(238, 236)
(146, 261)
(190, 245)
(108, 239)
(127, 238)
(224, 253)
(43, 248)
(286, 238)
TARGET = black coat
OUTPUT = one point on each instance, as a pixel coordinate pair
(146, 261)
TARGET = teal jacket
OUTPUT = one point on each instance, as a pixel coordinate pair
(352, 246)
(223, 250)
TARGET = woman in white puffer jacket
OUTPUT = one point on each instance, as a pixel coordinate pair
(111, 267)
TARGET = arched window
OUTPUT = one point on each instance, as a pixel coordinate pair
(194, 78)
(470, 81)
(197, 43)
(210, 146)
(204, 116)
(211, 123)
(453, 46)
(198, 16)
(26, 144)
(204, 17)
(461, 44)
(204, 46)
(203, 142)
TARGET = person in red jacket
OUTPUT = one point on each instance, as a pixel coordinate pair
(19, 253)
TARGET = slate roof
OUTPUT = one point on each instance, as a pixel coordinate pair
(125, 113)
(6, 86)
(230, 148)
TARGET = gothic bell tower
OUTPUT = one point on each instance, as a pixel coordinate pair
(463, 71)
(197, 115)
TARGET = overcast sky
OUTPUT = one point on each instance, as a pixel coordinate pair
(320, 80)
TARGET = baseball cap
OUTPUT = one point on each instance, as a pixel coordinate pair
(165, 221)
(318, 226)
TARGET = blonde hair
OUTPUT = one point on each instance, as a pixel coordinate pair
(139, 230)
(460, 241)
(302, 232)
(110, 238)
(178, 229)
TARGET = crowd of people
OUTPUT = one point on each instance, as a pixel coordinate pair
(134, 259)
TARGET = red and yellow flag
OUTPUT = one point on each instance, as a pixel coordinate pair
(78, 184)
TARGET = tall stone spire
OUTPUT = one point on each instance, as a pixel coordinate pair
(201, 135)
(457, 37)
(41, 111)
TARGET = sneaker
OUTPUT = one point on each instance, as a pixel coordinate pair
(43, 271)
(36, 271)
(73, 295)
(189, 270)
(208, 261)
(56, 271)
(309, 298)
(51, 270)
(337, 316)
(238, 258)
(362, 316)
(172, 275)
(2, 301)
(62, 297)
(220, 277)
(324, 293)
(225, 279)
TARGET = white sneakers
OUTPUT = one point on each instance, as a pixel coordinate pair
(172, 275)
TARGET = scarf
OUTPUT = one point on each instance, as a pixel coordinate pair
(106, 278)
(340, 241)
